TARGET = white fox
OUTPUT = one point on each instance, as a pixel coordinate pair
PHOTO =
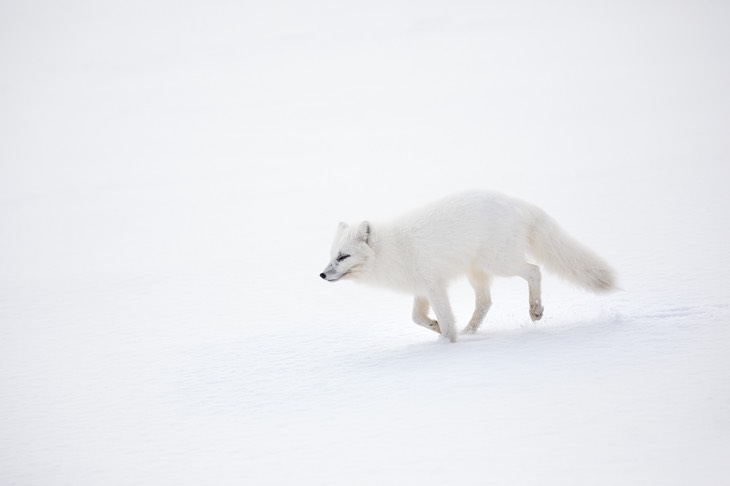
(476, 234)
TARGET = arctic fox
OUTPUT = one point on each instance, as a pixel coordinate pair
(474, 234)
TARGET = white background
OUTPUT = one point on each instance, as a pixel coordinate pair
(171, 174)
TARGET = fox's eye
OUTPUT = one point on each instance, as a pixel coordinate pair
(342, 257)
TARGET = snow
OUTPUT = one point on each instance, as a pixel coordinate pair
(171, 176)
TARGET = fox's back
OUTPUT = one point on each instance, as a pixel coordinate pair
(449, 235)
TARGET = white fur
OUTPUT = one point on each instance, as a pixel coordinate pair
(474, 234)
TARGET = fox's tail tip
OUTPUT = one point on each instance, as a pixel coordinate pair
(602, 281)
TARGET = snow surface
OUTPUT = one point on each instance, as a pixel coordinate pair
(171, 174)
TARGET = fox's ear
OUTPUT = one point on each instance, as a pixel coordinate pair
(342, 226)
(363, 233)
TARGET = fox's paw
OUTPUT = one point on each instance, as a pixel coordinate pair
(469, 329)
(434, 326)
(536, 311)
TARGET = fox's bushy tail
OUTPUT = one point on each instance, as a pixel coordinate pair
(561, 254)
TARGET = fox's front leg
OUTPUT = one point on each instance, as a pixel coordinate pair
(439, 300)
(420, 314)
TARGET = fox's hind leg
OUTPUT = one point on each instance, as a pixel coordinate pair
(483, 299)
(420, 314)
(532, 274)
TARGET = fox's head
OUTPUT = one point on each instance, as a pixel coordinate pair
(351, 252)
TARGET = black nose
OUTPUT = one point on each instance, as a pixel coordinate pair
(323, 275)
